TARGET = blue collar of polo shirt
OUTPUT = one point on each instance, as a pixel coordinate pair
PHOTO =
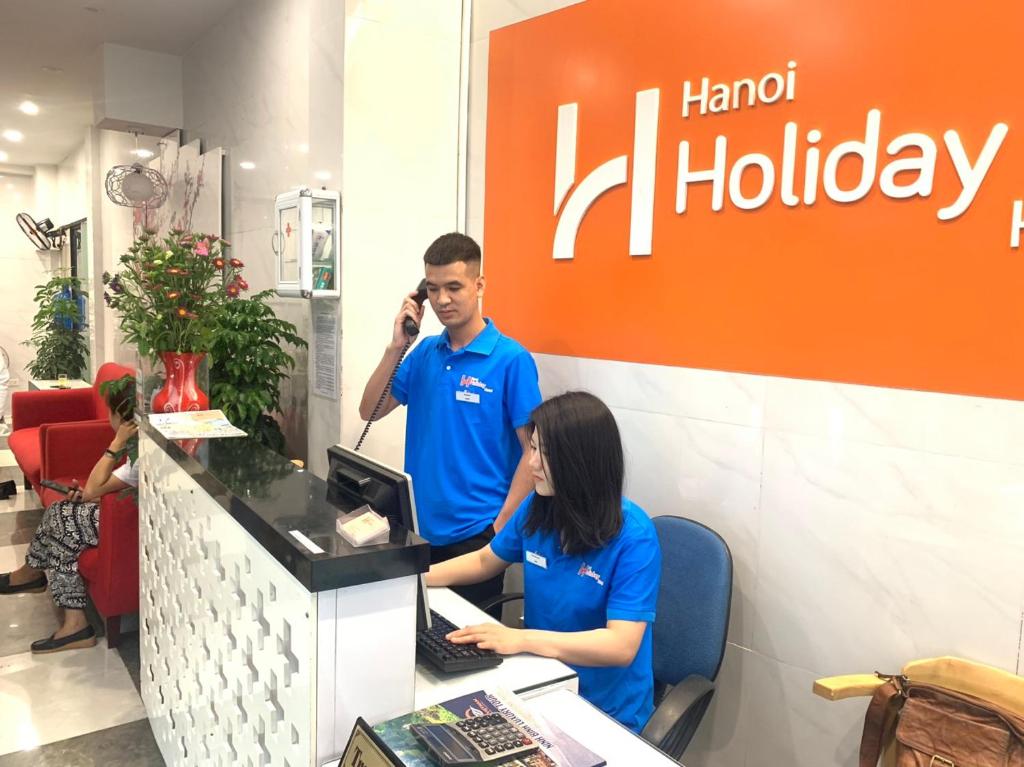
(484, 342)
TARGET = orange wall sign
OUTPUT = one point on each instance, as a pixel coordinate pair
(815, 190)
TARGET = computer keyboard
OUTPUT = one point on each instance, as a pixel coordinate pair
(432, 647)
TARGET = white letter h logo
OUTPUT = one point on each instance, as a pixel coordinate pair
(607, 176)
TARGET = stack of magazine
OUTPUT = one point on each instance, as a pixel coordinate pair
(556, 748)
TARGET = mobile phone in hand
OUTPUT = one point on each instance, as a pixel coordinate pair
(63, 489)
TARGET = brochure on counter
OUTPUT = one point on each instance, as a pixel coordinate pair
(194, 424)
(556, 748)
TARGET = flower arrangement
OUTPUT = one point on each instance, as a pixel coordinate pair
(169, 292)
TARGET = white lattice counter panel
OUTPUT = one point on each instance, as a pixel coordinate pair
(226, 632)
(238, 668)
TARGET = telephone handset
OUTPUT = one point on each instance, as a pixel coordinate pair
(411, 330)
(409, 325)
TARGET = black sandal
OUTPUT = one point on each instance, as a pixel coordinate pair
(80, 639)
(38, 586)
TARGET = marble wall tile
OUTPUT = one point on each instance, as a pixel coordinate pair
(872, 556)
(708, 472)
(711, 395)
(973, 427)
(786, 724)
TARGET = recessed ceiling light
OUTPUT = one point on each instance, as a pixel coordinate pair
(29, 107)
(3, 156)
(145, 154)
(246, 165)
(304, 148)
(13, 135)
(323, 175)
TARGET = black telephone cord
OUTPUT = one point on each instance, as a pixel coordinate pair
(383, 395)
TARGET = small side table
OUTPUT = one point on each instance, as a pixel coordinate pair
(35, 384)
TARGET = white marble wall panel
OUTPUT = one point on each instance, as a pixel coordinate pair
(402, 68)
(706, 471)
(22, 270)
(873, 555)
(265, 83)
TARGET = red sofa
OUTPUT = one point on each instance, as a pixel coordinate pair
(60, 435)
(39, 447)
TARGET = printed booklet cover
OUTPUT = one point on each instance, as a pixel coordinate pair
(557, 748)
(193, 424)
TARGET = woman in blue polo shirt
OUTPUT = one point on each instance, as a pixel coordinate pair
(591, 562)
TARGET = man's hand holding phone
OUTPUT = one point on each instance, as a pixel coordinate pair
(409, 317)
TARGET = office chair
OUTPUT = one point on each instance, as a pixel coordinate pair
(689, 632)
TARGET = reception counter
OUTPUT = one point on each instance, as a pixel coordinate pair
(263, 634)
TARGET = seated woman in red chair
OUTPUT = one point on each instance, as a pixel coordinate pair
(70, 526)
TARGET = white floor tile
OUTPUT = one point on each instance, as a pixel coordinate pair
(24, 500)
(12, 557)
(46, 698)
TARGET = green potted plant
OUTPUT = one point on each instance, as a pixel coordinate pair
(169, 294)
(248, 364)
(57, 329)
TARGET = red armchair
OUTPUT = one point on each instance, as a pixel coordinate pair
(59, 435)
(33, 413)
(111, 569)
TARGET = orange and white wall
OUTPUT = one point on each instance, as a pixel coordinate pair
(802, 378)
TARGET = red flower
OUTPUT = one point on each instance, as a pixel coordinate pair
(232, 290)
(173, 294)
(191, 315)
(202, 248)
(182, 311)
(236, 263)
(219, 263)
(242, 284)
(174, 270)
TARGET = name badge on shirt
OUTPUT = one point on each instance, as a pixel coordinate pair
(536, 559)
(468, 396)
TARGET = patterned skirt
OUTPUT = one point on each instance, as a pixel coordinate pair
(67, 529)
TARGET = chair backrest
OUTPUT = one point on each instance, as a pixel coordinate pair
(694, 601)
(109, 371)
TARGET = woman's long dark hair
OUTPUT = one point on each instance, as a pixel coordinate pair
(580, 441)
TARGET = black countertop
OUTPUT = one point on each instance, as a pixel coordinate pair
(268, 496)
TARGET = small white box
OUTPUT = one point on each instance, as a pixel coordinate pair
(364, 527)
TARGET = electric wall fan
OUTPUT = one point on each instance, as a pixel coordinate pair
(41, 233)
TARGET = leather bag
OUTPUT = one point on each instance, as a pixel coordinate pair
(923, 725)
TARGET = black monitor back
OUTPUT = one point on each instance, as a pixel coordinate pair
(354, 480)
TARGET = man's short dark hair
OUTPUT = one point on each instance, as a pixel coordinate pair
(451, 248)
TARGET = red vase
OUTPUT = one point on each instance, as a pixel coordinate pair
(180, 392)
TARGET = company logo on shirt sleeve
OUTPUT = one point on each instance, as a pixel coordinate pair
(586, 571)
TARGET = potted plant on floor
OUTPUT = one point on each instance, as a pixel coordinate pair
(248, 365)
(169, 294)
(57, 329)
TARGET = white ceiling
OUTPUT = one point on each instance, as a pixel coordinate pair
(63, 34)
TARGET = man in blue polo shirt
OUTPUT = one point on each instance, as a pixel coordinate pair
(470, 392)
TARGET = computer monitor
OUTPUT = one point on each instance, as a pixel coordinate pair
(355, 479)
